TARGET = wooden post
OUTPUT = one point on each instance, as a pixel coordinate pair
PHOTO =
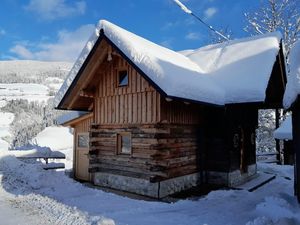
(296, 146)
(277, 116)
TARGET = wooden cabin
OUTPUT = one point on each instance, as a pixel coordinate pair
(148, 139)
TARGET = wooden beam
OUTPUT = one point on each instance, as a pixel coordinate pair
(277, 115)
(89, 72)
(296, 146)
(87, 93)
(282, 66)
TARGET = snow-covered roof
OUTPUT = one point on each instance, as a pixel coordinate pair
(284, 132)
(233, 72)
(71, 115)
(293, 84)
(242, 68)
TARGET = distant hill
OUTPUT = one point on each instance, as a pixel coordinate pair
(30, 67)
(27, 71)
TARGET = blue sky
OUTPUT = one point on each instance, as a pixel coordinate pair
(56, 30)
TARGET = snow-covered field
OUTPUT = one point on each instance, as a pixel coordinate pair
(31, 80)
(31, 92)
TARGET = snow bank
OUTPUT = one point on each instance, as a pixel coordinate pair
(37, 153)
(219, 74)
(293, 84)
(284, 132)
(5, 120)
(55, 138)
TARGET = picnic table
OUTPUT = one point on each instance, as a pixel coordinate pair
(45, 155)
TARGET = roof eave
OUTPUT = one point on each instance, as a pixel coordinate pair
(82, 68)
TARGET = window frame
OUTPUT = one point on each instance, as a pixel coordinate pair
(119, 143)
(122, 70)
(77, 141)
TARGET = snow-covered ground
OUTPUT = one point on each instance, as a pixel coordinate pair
(5, 120)
(51, 194)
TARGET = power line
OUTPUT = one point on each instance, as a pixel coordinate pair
(188, 11)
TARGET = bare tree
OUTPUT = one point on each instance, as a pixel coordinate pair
(276, 15)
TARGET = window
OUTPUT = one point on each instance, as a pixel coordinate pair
(123, 78)
(124, 143)
(83, 140)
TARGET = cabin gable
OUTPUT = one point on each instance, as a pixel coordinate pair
(138, 102)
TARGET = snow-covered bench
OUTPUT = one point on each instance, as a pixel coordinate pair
(45, 155)
(53, 165)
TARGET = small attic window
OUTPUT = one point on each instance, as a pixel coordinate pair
(123, 78)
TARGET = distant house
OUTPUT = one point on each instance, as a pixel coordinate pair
(292, 102)
(163, 121)
(284, 133)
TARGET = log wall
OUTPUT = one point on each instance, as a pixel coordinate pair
(178, 112)
(159, 152)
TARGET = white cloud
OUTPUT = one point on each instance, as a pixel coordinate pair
(67, 48)
(210, 12)
(193, 36)
(2, 32)
(55, 9)
(22, 52)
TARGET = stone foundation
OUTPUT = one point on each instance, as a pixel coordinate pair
(231, 179)
(145, 187)
(171, 186)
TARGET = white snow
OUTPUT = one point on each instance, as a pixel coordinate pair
(56, 138)
(241, 67)
(29, 68)
(70, 116)
(183, 7)
(284, 132)
(5, 121)
(66, 201)
(31, 92)
(293, 84)
(236, 71)
(36, 153)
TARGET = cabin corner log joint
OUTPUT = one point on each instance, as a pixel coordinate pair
(138, 139)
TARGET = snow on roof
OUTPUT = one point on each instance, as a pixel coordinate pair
(236, 71)
(284, 132)
(240, 67)
(293, 84)
(70, 116)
